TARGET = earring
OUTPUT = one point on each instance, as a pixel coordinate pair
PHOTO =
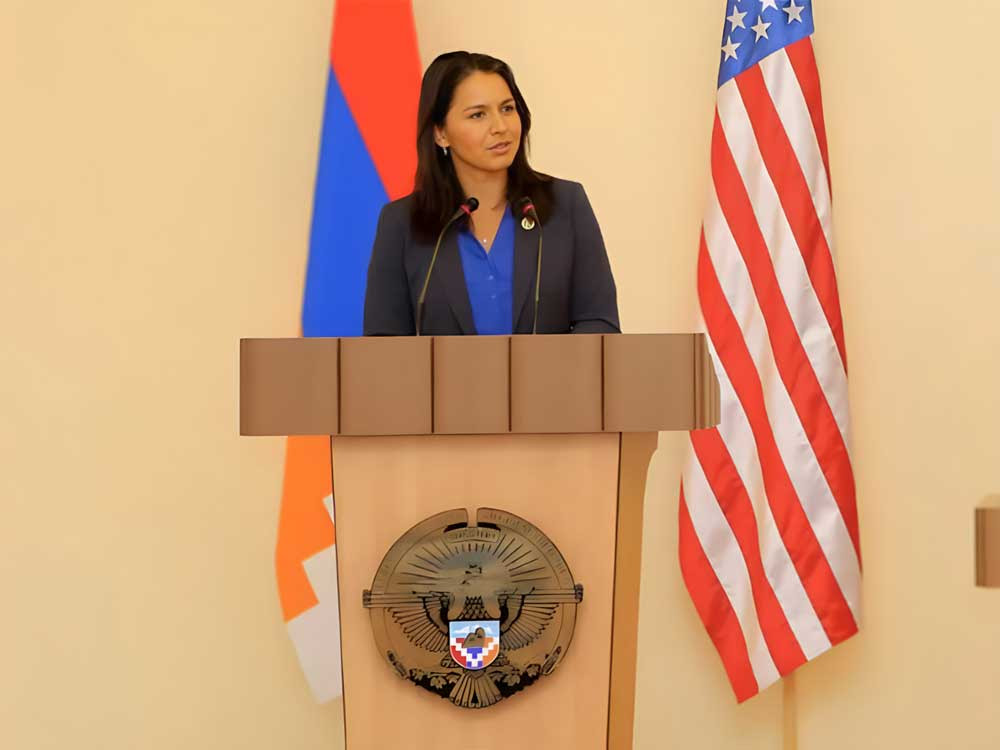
(444, 149)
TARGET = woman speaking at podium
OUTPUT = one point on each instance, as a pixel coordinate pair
(462, 253)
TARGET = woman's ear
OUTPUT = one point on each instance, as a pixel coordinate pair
(439, 137)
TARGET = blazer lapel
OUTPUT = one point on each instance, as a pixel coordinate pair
(525, 264)
(452, 278)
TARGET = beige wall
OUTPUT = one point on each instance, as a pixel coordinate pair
(157, 162)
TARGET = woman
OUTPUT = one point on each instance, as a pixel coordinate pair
(472, 135)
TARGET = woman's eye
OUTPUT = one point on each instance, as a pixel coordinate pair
(475, 115)
(509, 108)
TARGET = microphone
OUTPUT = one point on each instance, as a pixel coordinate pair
(529, 219)
(466, 209)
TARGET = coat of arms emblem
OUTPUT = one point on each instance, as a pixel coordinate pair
(473, 613)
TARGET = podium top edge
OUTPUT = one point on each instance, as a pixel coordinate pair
(461, 385)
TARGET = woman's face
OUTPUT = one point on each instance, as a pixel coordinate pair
(482, 129)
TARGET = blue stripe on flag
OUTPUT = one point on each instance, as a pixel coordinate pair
(349, 195)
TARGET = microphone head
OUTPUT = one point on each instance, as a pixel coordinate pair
(470, 205)
(526, 208)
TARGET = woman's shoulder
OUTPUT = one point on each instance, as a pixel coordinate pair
(564, 195)
(562, 186)
(559, 187)
(399, 209)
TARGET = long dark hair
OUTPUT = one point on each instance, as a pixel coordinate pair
(437, 192)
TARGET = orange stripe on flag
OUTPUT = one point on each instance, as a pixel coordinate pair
(304, 526)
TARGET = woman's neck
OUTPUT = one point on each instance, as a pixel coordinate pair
(489, 188)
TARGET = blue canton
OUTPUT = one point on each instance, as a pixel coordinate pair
(756, 28)
(489, 278)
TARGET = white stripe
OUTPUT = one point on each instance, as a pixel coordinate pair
(316, 632)
(723, 553)
(734, 429)
(789, 266)
(800, 461)
(786, 93)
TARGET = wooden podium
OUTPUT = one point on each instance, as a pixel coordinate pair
(558, 430)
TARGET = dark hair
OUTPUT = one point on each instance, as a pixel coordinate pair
(437, 192)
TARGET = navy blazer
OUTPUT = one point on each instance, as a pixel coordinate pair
(577, 292)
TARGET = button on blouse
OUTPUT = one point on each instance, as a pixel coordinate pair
(489, 277)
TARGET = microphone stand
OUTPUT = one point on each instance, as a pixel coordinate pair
(466, 208)
(528, 212)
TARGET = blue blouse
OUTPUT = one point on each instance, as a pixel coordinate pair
(489, 277)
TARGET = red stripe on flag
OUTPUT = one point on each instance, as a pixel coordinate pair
(375, 58)
(790, 356)
(803, 62)
(735, 503)
(800, 540)
(714, 609)
(793, 191)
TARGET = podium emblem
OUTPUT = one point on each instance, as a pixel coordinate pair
(473, 613)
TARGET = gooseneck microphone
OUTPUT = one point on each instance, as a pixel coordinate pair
(530, 220)
(466, 209)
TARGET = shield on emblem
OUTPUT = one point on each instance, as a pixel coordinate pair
(474, 644)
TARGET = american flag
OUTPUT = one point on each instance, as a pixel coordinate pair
(769, 545)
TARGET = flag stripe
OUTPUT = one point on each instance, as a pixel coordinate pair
(374, 55)
(734, 431)
(727, 489)
(721, 549)
(304, 526)
(786, 93)
(799, 537)
(316, 632)
(803, 61)
(792, 363)
(349, 195)
(713, 607)
(794, 194)
(789, 269)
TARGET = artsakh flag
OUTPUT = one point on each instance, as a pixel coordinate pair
(367, 158)
(769, 542)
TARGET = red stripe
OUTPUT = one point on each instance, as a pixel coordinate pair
(796, 200)
(375, 58)
(804, 64)
(793, 364)
(797, 534)
(731, 494)
(714, 609)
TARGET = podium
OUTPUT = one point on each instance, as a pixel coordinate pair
(553, 434)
